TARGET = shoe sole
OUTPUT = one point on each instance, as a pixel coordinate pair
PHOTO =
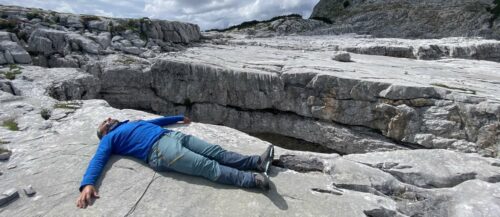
(268, 164)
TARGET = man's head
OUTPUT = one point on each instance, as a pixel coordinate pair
(106, 126)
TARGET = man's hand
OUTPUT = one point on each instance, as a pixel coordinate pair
(86, 196)
(186, 120)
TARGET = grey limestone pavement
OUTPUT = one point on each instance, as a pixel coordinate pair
(50, 154)
(414, 124)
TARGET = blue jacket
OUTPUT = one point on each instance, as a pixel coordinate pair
(130, 139)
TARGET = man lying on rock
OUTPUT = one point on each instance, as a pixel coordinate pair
(168, 150)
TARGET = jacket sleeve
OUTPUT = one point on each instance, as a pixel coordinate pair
(164, 121)
(97, 163)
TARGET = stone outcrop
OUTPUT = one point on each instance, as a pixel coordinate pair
(422, 49)
(343, 106)
(291, 25)
(10, 51)
(412, 19)
(411, 127)
(67, 40)
(49, 155)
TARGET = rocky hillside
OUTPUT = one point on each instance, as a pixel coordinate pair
(409, 127)
(413, 19)
(276, 26)
(67, 40)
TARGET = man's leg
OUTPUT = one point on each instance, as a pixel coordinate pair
(215, 152)
(169, 154)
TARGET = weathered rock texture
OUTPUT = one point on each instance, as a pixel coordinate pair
(10, 51)
(412, 19)
(374, 110)
(423, 49)
(372, 103)
(282, 26)
(67, 40)
(51, 154)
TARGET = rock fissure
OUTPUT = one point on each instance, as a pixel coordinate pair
(403, 177)
(132, 209)
(390, 119)
(358, 129)
(327, 191)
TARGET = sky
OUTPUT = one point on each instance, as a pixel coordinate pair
(207, 14)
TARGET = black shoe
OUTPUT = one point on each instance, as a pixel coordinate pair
(265, 160)
(261, 181)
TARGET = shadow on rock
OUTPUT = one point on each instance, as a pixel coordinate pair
(272, 194)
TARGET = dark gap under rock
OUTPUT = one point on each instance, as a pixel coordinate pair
(327, 191)
(299, 163)
(381, 212)
(291, 143)
(360, 188)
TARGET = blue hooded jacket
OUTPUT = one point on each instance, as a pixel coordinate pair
(129, 139)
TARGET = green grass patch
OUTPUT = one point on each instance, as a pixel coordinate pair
(88, 18)
(126, 60)
(8, 24)
(33, 15)
(11, 124)
(135, 25)
(454, 88)
(12, 72)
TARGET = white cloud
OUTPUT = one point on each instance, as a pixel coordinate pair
(222, 13)
(65, 7)
(206, 13)
(100, 12)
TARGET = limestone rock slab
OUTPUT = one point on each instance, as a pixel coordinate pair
(433, 172)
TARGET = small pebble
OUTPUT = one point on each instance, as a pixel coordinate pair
(29, 191)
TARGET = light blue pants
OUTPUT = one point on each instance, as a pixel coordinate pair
(190, 155)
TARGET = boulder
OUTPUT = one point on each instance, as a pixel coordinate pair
(342, 57)
(83, 43)
(48, 41)
(12, 51)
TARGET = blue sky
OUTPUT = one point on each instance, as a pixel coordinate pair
(206, 13)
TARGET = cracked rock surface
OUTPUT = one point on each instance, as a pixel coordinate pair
(413, 125)
(51, 155)
(412, 19)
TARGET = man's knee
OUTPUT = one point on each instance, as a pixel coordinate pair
(207, 168)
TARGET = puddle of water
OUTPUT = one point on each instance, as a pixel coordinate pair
(292, 143)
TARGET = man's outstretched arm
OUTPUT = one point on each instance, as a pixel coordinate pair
(164, 121)
(96, 165)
